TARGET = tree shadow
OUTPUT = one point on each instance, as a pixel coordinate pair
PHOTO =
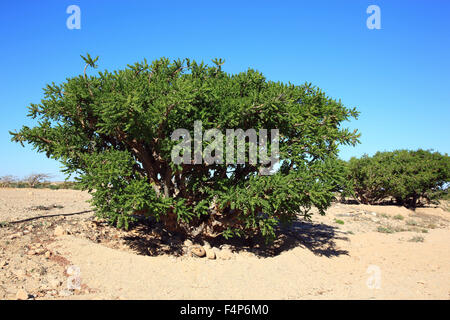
(319, 238)
(150, 238)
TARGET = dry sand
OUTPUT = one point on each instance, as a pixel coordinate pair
(322, 259)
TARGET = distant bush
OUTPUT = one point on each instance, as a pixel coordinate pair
(408, 177)
(7, 181)
(36, 181)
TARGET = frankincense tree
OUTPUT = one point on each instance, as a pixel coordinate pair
(410, 177)
(113, 131)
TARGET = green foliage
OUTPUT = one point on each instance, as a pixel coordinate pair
(113, 131)
(384, 229)
(406, 176)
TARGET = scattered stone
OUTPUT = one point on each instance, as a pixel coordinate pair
(47, 254)
(59, 231)
(198, 251)
(31, 252)
(16, 235)
(210, 254)
(187, 243)
(345, 214)
(53, 292)
(39, 251)
(65, 293)
(54, 282)
(206, 245)
(247, 254)
(225, 254)
(21, 295)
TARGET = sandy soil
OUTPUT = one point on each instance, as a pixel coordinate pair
(354, 252)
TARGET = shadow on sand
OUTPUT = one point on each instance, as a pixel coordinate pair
(152, 239)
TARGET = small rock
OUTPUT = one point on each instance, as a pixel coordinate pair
(3, 264)
(247, 254)
(59, 231)
(16, 235)
(47, 254)
(373, 213)
(40, 251)
(187, 243)
(54, 282)
(31, 252)
(52, 292)
(21, 295)
(198, 251)
(225, 254)
(210, 254)
(65, 293)
(206, 245)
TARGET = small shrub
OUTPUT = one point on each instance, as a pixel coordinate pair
(416, 239)
(384, 229)
(339, 221)
(4, 224)
(411, 223)
(7, 181)
(35, 180)
(398, 217)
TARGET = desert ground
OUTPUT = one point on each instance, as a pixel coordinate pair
(52, 247)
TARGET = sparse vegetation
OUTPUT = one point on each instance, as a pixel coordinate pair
(7, 181)
(417, 239)
(36, 181)
(411, 222)
(399, 217)
(383, 229)
(3, 224)
(338, 221)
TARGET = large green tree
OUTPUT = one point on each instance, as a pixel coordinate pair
(113, 131)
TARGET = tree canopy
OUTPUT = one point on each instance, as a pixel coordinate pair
(113, 131)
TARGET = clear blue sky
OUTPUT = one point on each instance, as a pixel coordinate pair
(398, 77)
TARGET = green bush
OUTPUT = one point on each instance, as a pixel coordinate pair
(408, 177)
(113, 130)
